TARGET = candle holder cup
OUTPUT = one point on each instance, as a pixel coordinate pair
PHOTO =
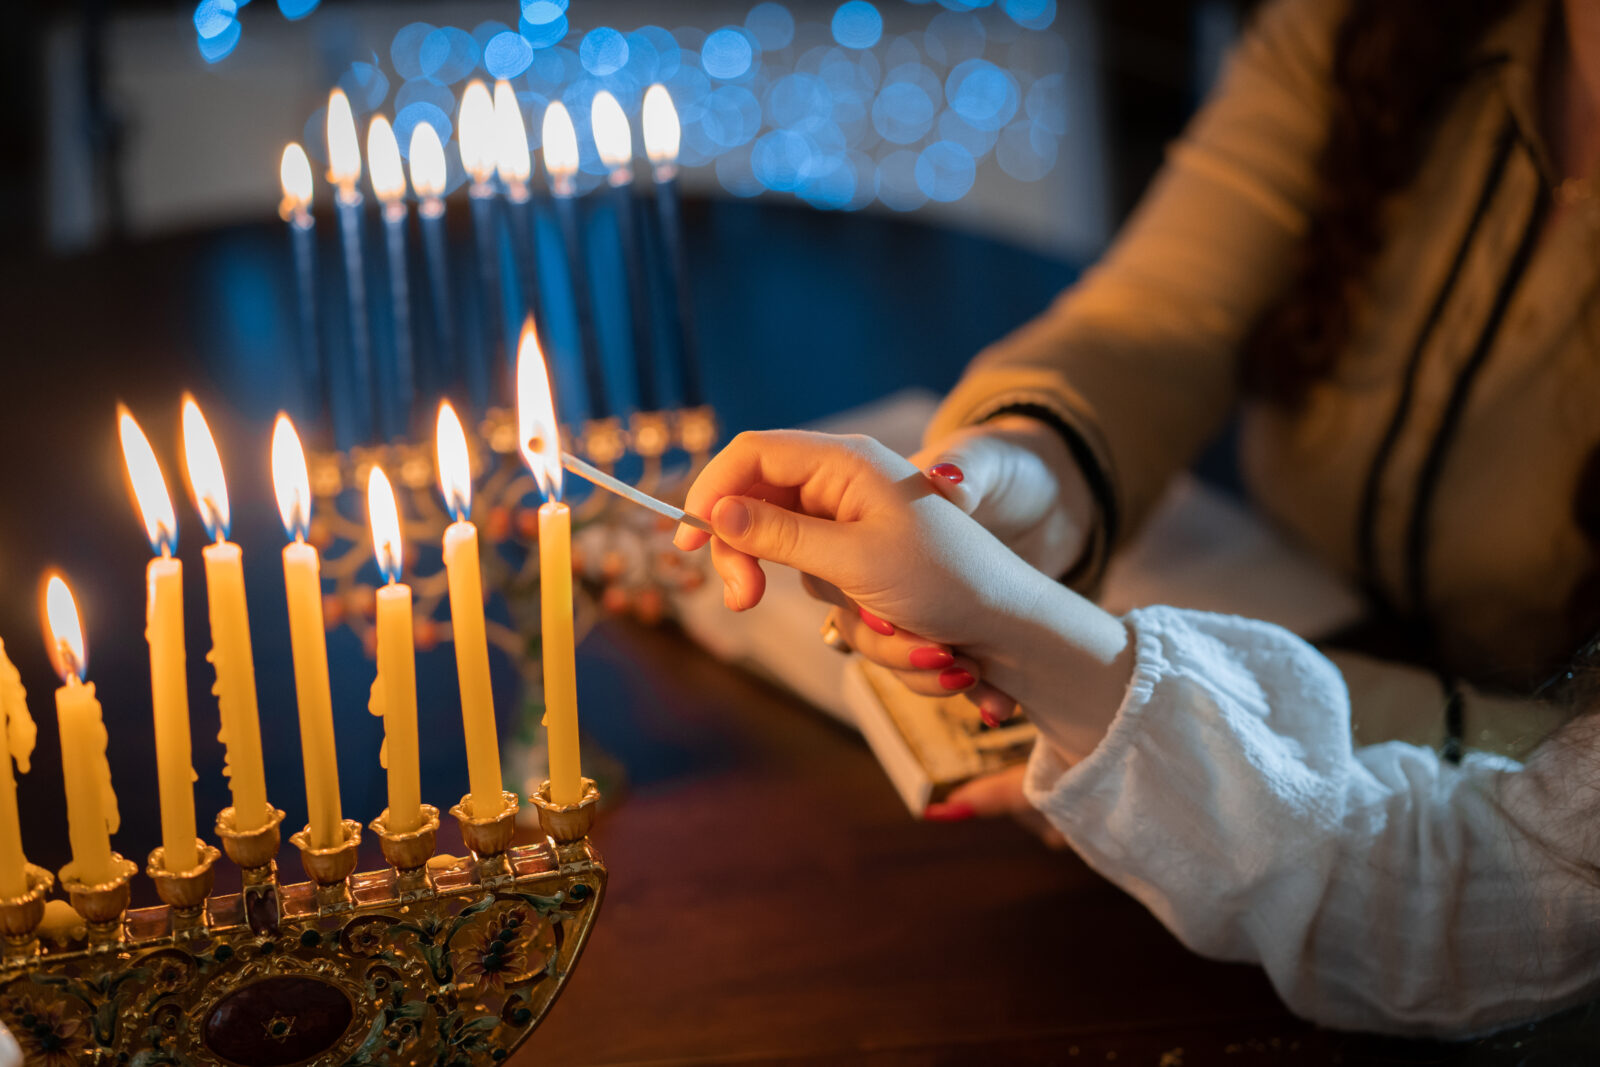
(331, 866)
(408, 852)
(20, 916)
(489, 836)
(185, 892)
(102, 903)
(445, 968)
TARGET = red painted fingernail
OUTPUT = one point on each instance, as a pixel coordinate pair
(988, 717)
(948, 812)
(956, 678)
(931, 658)
(948, 471)
(876, 623)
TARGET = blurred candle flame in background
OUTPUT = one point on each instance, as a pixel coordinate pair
(560, 141)
(612, 136)
(475, 123)
(344, 149)
(662, 131)
(427, 163)
(383, 161)
(294, 172)
(512, 160)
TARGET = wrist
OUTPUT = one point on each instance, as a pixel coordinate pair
(1064, 659)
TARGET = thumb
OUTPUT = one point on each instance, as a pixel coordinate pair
(769, 532)
(963, 471)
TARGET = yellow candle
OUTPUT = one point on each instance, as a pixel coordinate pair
(91, 805)
(169, 687)
(230, 627)
(556, 642)
(466, 620)
(16, 744)
(302, 579)
(539, 438)
(394, 691)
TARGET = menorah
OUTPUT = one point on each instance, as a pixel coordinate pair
(434, 959)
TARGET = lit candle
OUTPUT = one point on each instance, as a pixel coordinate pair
(294, 173)
(475, 126)
(466, 618)
(17, 734)
(92, 815)
(302, 579)
(169, 682)
(514, 165)
(561, 163)
(662, 135)
(344, 170)
(539, 437)
(427, 181)
(230, 626)
(613, 138)
(394, 691)
(389, 183)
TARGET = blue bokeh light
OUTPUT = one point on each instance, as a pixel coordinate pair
(771, 25)
(668, 55)
(954, 37)
(484, 32)
(799, 101)
(727, 53)
(903, 113)
(406, 50)
(952, 127)
(603, 51)
(782, 160)
(732, 116)
(857, 24)
(544, 34)
(366, 85)
(897, 181)
(296, 9)
(1027, 151)
(945, 171)
(736, 175)
(215, 49)
(448, 54)
(507, 55)
(1046, 103)
(425, 91)
(982, 93)
(1031, 14)
(543, 12)
(212, 18)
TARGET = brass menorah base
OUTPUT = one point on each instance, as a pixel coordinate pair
(450, 960)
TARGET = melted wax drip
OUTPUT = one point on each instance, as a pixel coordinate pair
(15, 719)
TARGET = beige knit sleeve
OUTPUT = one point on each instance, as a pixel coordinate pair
(1139, 357)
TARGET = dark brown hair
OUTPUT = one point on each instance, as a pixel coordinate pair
(1396, 65)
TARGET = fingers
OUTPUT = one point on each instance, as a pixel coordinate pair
(743, 582)
(821, 467)
(962, 468)
(826, 592)
(902, 651)
(768, 531)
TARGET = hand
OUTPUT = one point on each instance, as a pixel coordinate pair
(855, 515)
(1017, 478)
(997, 794)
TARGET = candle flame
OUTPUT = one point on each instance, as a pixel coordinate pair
(289, 478)
(512, 160)
(662, 132)
(294, 172)
(612, 136)
(560, 140)
(476, 125)
(204, 467)
(149, 488)
(344, 148)
(455, 464)
(63, 630)
(384, 517)
(427, 162)
(383, 161)
(538, 434)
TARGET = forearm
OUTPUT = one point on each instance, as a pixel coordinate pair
(1380, 888)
